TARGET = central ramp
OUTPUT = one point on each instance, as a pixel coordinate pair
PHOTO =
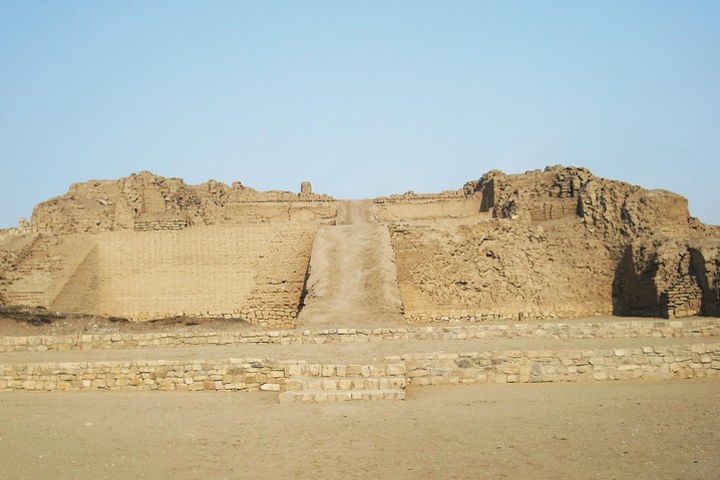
(352, 280)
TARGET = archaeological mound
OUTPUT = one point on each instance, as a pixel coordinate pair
(556, 243)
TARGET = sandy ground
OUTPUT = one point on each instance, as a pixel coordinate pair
(657, 430)
(338, 352)
(352, 278)
(10, 326)
(27, 324)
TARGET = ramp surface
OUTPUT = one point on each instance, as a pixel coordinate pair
(352, 278)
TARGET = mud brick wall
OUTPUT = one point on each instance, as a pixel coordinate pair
(143, 226)
(149, 201)
(414, 206)
(684, 299)
(553, 209)
(251, 272)
(508, 269)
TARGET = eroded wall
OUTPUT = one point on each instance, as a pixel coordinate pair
(552, 243)
(145, 201)
(501, 268)
(559, 242)
(427, 207)
(145, 247)
(254, 272)
(671, 277)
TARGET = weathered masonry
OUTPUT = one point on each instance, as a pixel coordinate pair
(556, 243)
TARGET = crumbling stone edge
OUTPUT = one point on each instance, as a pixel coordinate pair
(698, 360)
(706, 326)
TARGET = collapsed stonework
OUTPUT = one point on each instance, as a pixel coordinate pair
(559, 242)
(670, 277)
(145, 201)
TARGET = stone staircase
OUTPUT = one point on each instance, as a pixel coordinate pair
(328, 383)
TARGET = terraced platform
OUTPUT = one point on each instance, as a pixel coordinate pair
(357, 364)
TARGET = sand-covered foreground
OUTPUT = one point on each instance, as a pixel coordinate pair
(659, 430)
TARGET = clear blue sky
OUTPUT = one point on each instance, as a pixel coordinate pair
(362, 98)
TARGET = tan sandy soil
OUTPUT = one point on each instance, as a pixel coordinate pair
(24, 325)
(70, 324)
(622, 430)
(336, 352)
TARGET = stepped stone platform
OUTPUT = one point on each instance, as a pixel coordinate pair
(369, 370)
(580, 328)
(357, 352)
(359, 299)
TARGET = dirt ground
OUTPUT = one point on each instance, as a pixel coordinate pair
(618, 430)
(25, 324)
(49, 324)
(363, 352)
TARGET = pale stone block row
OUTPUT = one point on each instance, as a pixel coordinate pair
(202, 375)
(660, 362)
(424, 317)
(328, 383)
(341, 396)
(301, 381)
(193, 375)
(616, 329)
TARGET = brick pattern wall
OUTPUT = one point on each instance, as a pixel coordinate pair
(154, 225)
(682, 299)
(250, 272)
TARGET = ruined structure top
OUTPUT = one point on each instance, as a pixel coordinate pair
(542, 244)
(145, 200)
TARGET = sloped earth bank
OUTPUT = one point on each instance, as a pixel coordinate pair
(660, 430)
(34, 322)
(352, 280)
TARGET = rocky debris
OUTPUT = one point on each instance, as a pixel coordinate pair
(562, 242)
(144, 198)
(618, 209)
(505, 268)
(546, 243)
(671, 276)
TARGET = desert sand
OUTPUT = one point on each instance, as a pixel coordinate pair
(660, 430)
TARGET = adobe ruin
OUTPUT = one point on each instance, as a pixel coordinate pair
(555, 243)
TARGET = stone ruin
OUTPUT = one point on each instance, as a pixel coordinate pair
(146, 247)
(558, 242)
(544, 244)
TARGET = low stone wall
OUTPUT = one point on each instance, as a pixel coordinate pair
(154, 225)
(232, 374)
(675, 361)
(246, 375)
(473, 317)
(615, 329)
(659, 362)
